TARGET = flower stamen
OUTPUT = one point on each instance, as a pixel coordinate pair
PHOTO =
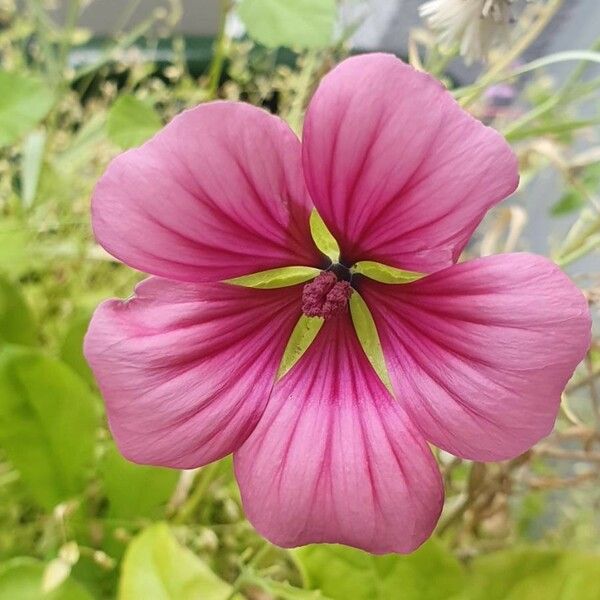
(326, 296)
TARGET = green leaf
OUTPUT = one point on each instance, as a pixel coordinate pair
(323, 238)
(294, 23)
(366, 331)
(285, 591)
(15, 247)
(24, 102)
(71, 346)
(48, 424)
(31, 166)
(430, 573)
(158, 567)
(21, 579)
(530, 574)
(570, 201)
(17, 325)
(275, 278)
(131, 122)
(302, 337)
(135, 491)
(384, 273)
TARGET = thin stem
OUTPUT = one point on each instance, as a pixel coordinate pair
(595, 398)
(220, 51)
(303, 91)
(247, 576)
(67, 34)
(206, 477)
(507, 59)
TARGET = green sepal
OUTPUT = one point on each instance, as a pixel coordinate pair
(366, 331)
(275, 278)
(302, 337)
(322, 237)
(384, 273)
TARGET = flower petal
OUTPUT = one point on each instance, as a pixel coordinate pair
(335, 459)
(218, 193)
(479, 353)
(398, 171)
(186, 369)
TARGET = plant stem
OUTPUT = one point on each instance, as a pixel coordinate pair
(220, 51)
(522, 44)
(303, 91)
(67, 35)
(206, 477)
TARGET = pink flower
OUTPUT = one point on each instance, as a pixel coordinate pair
(477, 353)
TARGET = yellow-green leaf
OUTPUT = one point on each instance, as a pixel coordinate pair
(302, 337)
(322, 237)
(131, 122)
(366, 331)
(275, 278)
(384, 273)
(156, 566)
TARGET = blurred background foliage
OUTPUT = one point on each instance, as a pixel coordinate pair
(77, 521)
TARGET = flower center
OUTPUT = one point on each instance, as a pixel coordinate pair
(327, 294)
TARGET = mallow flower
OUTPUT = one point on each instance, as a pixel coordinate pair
(307, 313)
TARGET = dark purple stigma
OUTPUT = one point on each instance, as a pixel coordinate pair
(327, 294)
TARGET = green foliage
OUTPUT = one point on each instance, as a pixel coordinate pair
(15, 247)
(71, 345)
(48, 424)
(21, 579)
(530, 574)
(576, 197)
(31, 166)
(570, 201)
(294, 23)
(134, 491)
(157, 566)
(131, 122)
(430, 573)
(58, 131)
(17, 325)
(24, 102)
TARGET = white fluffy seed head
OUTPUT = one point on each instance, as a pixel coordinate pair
(475, 25)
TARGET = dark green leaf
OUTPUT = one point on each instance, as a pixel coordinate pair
(48, 424)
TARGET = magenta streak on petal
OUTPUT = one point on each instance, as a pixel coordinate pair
(397, 170)
(186, 369)
(218, 193)
(480, 352)
(335, 459)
